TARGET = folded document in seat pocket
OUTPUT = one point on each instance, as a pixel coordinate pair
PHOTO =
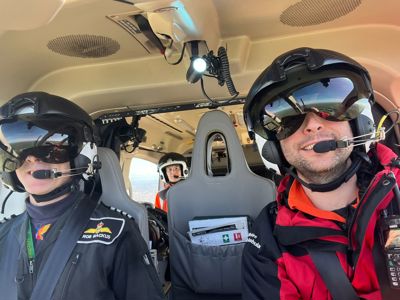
(218, 231)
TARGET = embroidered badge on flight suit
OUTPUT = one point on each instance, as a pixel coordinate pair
(41, 231)
(102, 230)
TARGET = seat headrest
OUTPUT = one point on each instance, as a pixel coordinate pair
(213, 122)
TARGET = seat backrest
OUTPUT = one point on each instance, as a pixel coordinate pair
(114, 191)
(212, 272)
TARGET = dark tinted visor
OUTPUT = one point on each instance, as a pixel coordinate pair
(333, 99)
(50, 140)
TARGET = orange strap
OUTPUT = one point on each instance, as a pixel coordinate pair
(157, 203)
(165, 206)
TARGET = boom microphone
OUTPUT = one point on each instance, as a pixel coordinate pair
(47, 174)
(53, 173)
(331, 145)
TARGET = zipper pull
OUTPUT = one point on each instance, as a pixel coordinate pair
(31, 266)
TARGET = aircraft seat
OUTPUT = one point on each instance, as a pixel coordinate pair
(202, 271)
(114, 191)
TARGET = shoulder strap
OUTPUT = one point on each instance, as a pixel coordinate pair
(66, 241)
(332, 273)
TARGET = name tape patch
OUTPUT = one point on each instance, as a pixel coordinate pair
(102, 230)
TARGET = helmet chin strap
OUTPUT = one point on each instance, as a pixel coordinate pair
(66, 188)
(334, 184)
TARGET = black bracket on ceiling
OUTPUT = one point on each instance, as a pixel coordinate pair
(166, 109)
(125, 1)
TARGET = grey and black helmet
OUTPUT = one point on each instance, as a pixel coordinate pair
(303, 80)
(49, 127)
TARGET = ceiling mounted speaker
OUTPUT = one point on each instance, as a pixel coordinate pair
(314, 12)
(84, 45)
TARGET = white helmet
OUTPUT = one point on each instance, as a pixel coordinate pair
(169, 159)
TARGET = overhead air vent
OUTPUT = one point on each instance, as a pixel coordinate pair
(139, 28)
(314, 12)
(84, 45)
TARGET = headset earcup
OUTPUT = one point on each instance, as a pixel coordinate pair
(80, 162)
(364, 125)
(271, 153)
(163, 176)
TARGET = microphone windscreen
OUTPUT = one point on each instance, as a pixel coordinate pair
(325, 146)
(42, 174)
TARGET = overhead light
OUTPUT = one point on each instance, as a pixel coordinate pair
(192, 75)
(209, 64)
(199, 65)
(197, 51)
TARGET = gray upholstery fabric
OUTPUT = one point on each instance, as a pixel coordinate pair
(114, 191)
(202, 270)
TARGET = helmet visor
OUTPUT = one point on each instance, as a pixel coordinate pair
(51, 141)
(333, 99)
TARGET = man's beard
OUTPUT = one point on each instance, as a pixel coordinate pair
(310, 175)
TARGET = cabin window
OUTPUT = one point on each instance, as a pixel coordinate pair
(144, 177)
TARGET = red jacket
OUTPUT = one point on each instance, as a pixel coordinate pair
(276, 263)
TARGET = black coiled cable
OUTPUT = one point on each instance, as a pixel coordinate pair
(225, 72)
